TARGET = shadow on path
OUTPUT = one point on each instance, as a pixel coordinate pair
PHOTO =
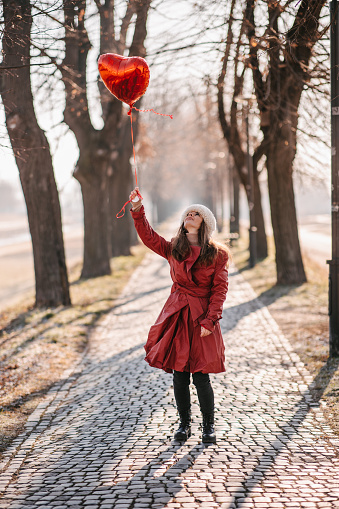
(281, 441)
(157, 482)
(105, 413)
(232, 315)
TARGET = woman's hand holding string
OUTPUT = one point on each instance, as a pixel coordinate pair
(136, 203)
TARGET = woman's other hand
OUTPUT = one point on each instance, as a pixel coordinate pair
(133, 195)
(205, 332)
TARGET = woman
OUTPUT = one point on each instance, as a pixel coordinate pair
(186, 338)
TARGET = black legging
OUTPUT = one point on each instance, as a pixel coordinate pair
(181, 382)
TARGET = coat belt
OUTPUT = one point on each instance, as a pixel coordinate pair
(193, 298)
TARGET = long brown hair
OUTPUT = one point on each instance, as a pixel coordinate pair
(209, 248)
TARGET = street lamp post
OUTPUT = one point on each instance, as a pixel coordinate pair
(253, 228)
(233, 186)
(247, 102)
(333, 305)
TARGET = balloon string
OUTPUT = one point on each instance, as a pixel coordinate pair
(144, 111)
(135, 163)
(121, 212)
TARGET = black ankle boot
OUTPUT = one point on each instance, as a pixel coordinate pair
(184, 430)
(208, 433)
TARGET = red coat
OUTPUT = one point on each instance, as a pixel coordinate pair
(196, 299)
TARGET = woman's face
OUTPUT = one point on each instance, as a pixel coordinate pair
(192, 221)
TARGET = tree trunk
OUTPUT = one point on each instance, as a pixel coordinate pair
(121, 236)
(278, 92)
(239, 158)
(231, 131)
(280, 154)
(234, 201)
(106, 185)
(232, 136)
(259, 217)
(120, 184)
(95, 146)
(261, 239)
(220, 196)
(96, 227)
(33, 158)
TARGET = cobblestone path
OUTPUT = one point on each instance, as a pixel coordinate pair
(103, 437)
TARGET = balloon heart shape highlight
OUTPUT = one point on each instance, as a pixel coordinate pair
(126, 78)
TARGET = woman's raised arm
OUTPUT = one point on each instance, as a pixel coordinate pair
(149, 237)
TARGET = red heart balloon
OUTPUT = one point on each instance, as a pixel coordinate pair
(126, 78)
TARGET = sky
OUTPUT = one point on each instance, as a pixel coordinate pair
(64, 148)
(165, 25)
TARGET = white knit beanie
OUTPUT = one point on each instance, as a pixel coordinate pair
(205, 213)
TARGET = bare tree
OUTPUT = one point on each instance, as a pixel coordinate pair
(103, 169)
(32, 155)
(232, 131)
(280, 60)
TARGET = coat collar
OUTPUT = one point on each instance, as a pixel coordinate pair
(191, 259)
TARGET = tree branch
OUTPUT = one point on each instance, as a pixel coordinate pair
(221, 79)
(259, 85)
(108, 44)
(73, 70)
(125, 22)
(303, 35)
(140, 31)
